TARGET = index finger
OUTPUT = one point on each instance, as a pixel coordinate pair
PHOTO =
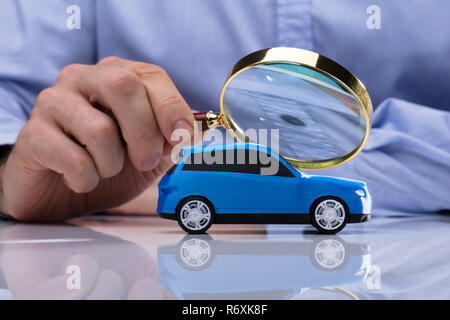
(169, 107)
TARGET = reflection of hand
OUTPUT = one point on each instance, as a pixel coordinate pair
(95, 140)
(110, 268)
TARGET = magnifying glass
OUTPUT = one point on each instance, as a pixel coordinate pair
(323, 113)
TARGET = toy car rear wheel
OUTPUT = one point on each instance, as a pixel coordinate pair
(329, 215)
(195, 214)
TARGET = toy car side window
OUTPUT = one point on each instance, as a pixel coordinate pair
(268, 161)
(283, 171)
(234, 160)
(231, 160)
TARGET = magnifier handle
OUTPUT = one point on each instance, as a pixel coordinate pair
(202, 116)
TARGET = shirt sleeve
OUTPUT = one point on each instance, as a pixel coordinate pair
(38, 40)
(406, 161)
(12, 115)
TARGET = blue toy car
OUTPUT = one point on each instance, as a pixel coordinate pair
(243, 183)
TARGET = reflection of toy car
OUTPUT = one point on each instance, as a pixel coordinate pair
(201, 268)
(227, 184)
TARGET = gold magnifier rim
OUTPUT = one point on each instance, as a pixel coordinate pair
(315, 62)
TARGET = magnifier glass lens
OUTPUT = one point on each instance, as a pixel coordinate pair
(317, 118)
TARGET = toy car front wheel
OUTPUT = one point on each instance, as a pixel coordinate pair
(329, 215)
(195, 214)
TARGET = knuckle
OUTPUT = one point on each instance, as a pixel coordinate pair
(170, 101)
(154, 68)
(69, 72)
(81, 179)
(80, 165)
(45, 96)
(108, 60)
(46, 102)
(149, 69)
(145, 134)
(113, 167)
(120, 80)
(102, 130)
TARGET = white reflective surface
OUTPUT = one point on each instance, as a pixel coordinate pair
(394, 256)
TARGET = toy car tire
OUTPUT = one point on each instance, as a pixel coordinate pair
(329, 215)
(195, 214)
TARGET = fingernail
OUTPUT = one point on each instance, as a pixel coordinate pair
(152, 162)
(182, 125)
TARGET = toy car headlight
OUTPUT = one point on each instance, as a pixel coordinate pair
(360, 193)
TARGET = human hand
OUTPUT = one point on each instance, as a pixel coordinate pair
(95, 140)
